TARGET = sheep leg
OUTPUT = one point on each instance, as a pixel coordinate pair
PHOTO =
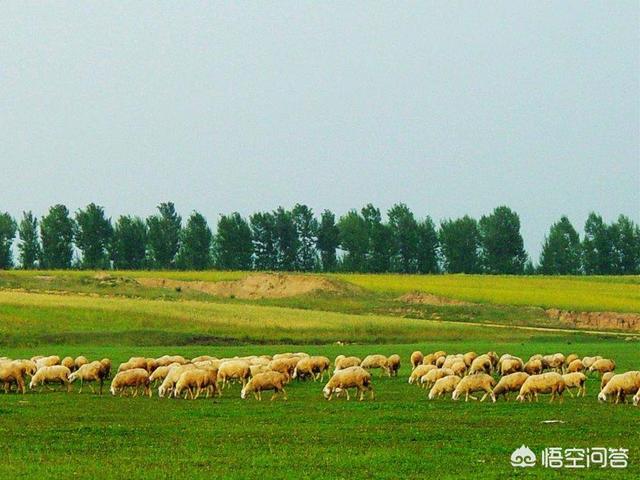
(273, 396)
(81, 385)
(484, 397)
(285, 394)
(347, 390)
(569, 390)
(68, 386)
(91, 388)
(260, 395)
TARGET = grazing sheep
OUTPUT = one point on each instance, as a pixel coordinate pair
(133, 378)
(416, 358)
(533, 366)
(588, 361)
(444, 385)
(575, 366)
(169, 359)
(376, 361)
(511, 365)
(553, 362)
(200, 379)
(160, 373)
(603, 365)
(570, 358)
(475, 383)
(133, 362)
(428, 379)
(620, 386)
(459, 368)
(314, 367)
(469, 357)
(440, 361)
(265, 381)
(550, 382)
(169, 382)
(419, 372)
(636, 398)
(575, 379)
(151, 364)
(106, 367)
(89, 372)
(605, 379)
(234, 370)
(394, 364)
(451, 359)
(510, 383)
(429, 359)
(346, 362)
(53, 374)
(256, 369)
(352, 377)
(69, 363)
(481, 364)
(285, 365)
(49, 361)
(80, 361)
(537, 356)
(11, 372)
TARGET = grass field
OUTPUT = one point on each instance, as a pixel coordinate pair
(399, 435)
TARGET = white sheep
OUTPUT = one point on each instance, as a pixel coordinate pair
(419, 372)
(444, 385)
(132, 378)
(510, 383)
(620, 386)
(234, 370)
(346, 362)
(198, 379)
(265, 381)
(89, 372)
(49, 361)
(602, 366)
(550, 382)
(169, 382)
(432, 376)
(314, 367)
(416, 358)
(577, 380)
(376, 361)
(53, 374)
(475, 383)
(352, 377)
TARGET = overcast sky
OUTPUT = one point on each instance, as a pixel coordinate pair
(450, 107)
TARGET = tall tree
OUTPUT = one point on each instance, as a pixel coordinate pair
(164, 236)
(626, 246)
(92, 233)
(29, 246)
(128, 246)
(460, 244)
(232, 243)
(307, 231)
(195, 247)
(7, 234)
(263, 236)
(287, 240)
(561, 250)
(427, 247)
(354, 239)
(380, 241)
(501, 242)
(404, 230)
(597, 247)
(328, 240)
(56, 232)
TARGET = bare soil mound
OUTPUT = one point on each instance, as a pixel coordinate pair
(254, 286)
(431, 299)
(597, 320)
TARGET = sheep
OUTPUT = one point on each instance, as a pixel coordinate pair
(475, 383)
(469, 357)
(419, 372)
(133, 362)
(11, 372)
(636, 399)
(256, 369)
(481, 364)
(550, 382)
(352, 377)
(346, 362)
(620, 385)
(234, 369)
(151, 364)
(510, 383)
(394, 364)
(574, 366)
(428, 379)
(169, 359)
(80, 361)
(285, 365)
(440, 361)
(533, 366)
(416, 358)
(444, 385)
(201, 358)
(429, 359)
(167, 385)
(575, 379)
(106, 367)
(314, 367)
(51, 374)
(89, 372)
(47, 361)
(69, 363)
(588, 361)
(132, 378)
(602, 366)
(265, 381)
(511, 365)
(198, 378)
(553, 362)
(160, 373)
(570, 358)
(376, 361)
(459, 368)
(452, 359)
(537, 356)
(605, 379)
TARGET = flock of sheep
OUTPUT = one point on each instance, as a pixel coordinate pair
(460, 375)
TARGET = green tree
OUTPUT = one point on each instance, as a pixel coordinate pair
(354, 239)
(307, 231)
(7, 234)
(129, 243)
(233, 248)
(561, 250)
(263, 235)
(92, 233)
(287, 241)
(460, 244)
(328, 240)
(56, 232)
(597, 247)
(195, 247)
(427, 247)
(164, 236)
(404, 231)
(29, 246)
(380, 241)
(626, 246)
(501, 242)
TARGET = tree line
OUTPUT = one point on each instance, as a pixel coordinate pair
(296, 240)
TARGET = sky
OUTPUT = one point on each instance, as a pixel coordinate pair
(450, 107)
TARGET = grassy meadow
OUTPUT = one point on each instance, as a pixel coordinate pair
(398, 435)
